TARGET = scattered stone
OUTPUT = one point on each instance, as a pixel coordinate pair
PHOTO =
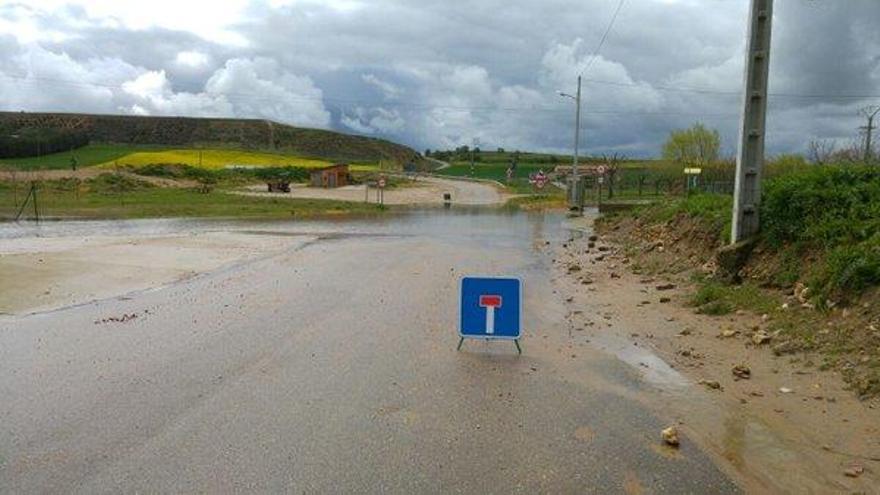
(784, 306)
(665, 287)
(854, 471)
(664, 300)
(574, 268)
(670, 436)
(785, 390)
(756, 394)
(600, 258)
(591, 244)
(785, 347)
(742, 371)
(117, 319)
(713, 384)
(569, 299)
(765, 317)
(760, 338)
(615, 275)
(586, 281)
(685, 332)
(726, 334)
(604, 248)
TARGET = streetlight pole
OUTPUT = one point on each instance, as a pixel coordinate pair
(574, 185)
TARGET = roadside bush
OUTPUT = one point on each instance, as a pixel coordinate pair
(823, 206)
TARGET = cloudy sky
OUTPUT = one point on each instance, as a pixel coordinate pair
(437, 74)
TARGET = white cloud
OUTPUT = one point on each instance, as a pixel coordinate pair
(192, 59)
(387, 89)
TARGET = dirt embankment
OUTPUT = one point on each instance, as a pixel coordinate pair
(843, 337)
(777, 414)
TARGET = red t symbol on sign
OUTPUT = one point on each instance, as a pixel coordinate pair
(490, 302)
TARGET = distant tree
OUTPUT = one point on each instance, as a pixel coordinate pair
(428, 152)
(696, 146)
(612, 167)
(820, 151)
(500, 150)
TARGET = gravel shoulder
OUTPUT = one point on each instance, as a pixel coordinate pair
(782, 428)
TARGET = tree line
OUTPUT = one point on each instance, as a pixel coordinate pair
(23, 143)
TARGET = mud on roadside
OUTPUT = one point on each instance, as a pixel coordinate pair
(809, 415)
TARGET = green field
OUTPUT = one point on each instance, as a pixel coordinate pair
(86, 156)
(156, 202)
(108, 156)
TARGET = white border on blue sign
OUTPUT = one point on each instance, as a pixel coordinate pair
(493, 277)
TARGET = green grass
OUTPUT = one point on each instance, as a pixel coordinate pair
(715, 298)
(121, 197)
(86, 156)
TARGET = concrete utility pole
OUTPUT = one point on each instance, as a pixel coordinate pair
(574, 189)
(750, 158)
(870, 113)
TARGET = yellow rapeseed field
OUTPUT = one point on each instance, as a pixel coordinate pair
(219, 159)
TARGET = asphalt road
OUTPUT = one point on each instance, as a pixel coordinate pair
(332, 368)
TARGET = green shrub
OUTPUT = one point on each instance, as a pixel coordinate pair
(824, 206)
(110, 183)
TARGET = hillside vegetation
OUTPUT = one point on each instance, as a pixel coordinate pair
(216, 159)
(184, 132)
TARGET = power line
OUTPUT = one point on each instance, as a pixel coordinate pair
(604, 37)
(686, 89)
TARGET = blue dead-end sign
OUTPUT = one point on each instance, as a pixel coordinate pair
(491, 308)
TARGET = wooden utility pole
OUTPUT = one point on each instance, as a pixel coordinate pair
(750, 157)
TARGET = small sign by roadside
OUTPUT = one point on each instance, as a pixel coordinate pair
(539, 180)
(490, 308)
(381, 182)
(693, 171)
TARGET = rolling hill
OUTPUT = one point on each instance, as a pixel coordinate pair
(187, 132)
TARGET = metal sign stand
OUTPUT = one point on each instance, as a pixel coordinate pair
(515, 342)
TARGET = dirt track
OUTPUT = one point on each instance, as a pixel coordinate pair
(426, 191)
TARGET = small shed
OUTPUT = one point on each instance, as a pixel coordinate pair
(332, 176)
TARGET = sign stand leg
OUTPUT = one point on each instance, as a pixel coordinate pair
(518, 348)
(460, 341)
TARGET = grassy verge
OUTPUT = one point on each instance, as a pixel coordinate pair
(108, 196)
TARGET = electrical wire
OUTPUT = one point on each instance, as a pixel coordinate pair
(604, 37)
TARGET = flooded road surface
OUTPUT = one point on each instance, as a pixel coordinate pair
(331, 367)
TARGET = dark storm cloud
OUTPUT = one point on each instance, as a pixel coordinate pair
(437, 74)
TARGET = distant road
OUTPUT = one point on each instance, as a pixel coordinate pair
(426, 191)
